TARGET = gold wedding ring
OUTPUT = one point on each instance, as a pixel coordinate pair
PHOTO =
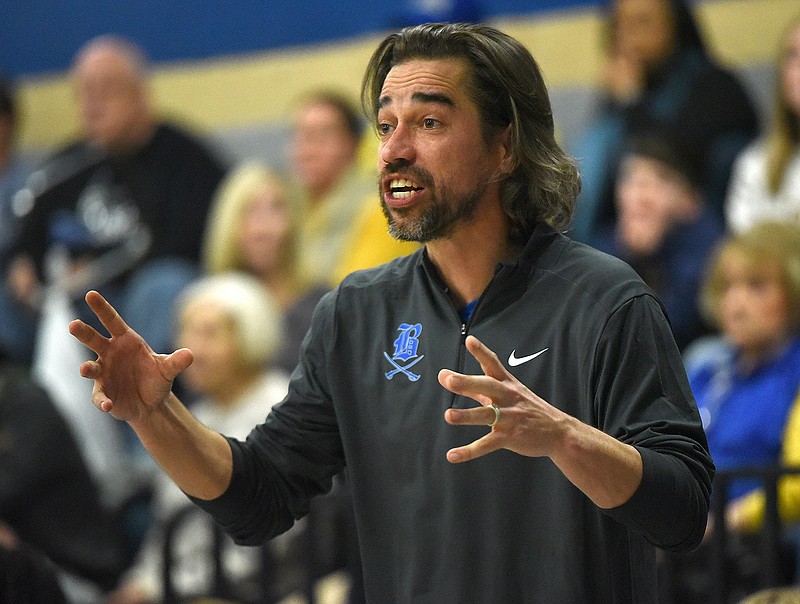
(496, 415)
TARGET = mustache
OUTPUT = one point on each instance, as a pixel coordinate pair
(421, 176)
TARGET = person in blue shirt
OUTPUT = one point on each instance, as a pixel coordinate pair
(659, 73)
(664, 229)
(746, 389)
(746, 382)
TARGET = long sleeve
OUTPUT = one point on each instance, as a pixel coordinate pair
(646, 402)
(291, 457)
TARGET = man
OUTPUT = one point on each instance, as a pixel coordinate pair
(594, 453)
(132, 191)
(121, 210)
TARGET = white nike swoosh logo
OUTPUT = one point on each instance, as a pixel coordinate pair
(513, 361)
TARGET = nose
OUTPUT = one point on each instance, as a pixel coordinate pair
(397, 145)
(733, 296)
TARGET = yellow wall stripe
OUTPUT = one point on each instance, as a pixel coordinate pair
(235, 92)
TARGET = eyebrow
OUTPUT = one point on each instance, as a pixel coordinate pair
(422, 97)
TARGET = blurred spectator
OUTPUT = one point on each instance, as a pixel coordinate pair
(253, 228)
(13, 170)
(752, 294)
(747, 386)
(765, 184)
(26, 577)
(659, 73)
(663, 228)
(234, 329)
(126, 204)
(49, 503)
(17, 325)
(339, 204)
(121, 210)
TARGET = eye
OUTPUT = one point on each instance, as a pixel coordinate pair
(758, 284)
(429, 123)
(384, 128)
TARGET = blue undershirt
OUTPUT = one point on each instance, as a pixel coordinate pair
(467, 311)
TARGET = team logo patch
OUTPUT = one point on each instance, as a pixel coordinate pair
(405, 354)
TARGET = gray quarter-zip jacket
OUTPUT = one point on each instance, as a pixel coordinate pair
(579, 329)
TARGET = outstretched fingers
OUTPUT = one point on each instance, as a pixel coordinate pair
(488, 390)
(481, 388)
(88, 336)
(478, 448)
(488, 360)
(107, 314)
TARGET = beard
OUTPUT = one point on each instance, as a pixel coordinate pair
(439, 218)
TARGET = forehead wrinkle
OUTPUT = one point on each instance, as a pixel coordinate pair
(434, 81)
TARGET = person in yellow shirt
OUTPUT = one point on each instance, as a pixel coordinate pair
(342, 227)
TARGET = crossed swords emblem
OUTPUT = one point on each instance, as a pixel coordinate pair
(402, 369)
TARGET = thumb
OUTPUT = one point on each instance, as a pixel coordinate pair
(176, 362)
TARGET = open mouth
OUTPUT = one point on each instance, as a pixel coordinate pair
(402, 188)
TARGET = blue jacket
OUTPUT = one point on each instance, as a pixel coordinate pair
(746, 414)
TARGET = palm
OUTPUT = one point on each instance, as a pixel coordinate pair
(138, 382)
(130, 379)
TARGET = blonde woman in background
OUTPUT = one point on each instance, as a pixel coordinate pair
(765, 184)
(343, 227)
(747, 389)
(254, 229)
(746, 395)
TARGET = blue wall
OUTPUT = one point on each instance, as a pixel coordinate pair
(41, 36)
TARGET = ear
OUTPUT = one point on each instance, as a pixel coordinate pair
(504, 150)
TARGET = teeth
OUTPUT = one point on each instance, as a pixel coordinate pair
(402, 187)
(403, 183)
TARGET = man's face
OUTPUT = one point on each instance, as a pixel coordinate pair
(322, 147)
(435, 167)
(111, 97)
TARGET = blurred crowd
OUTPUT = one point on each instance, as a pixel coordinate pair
(682, 178)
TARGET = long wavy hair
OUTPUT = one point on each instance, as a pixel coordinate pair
(506, 85)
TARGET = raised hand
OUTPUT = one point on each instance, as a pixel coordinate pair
(520, 420)
(130, 380)
(605, 469)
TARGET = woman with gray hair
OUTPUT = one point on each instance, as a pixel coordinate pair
(234, 328)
